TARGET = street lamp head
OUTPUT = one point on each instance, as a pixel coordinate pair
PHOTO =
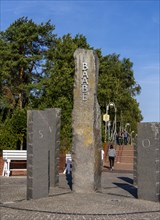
(111, 104)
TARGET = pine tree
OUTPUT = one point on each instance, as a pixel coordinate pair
(23, 53)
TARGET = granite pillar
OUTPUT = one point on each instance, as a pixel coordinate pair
(86, 124)
(148, 161)
(54, 123)
(42, 151)
(135, 161)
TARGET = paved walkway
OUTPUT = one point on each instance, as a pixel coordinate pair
(116, 202)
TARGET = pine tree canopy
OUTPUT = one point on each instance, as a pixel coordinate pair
(37, 72)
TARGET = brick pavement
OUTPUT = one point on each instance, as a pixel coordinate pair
(117, 201)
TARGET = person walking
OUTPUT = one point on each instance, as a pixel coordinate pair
(125, 137)
(68, 172)
(111, 155)
(119, 138)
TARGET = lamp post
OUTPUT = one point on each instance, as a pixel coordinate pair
(106, 120)
(127, 133)
(127, 125)
(109, 124)
(132, 137)
(111, 104)
(105, 139)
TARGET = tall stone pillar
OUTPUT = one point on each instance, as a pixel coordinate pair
(54, 122)
(135, 161)
(148, 161)
(43, 141)
(86, 124)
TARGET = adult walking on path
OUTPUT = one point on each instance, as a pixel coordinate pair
(126, 136)
(111, 155)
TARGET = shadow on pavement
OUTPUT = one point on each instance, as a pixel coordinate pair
(126, 179)
(129, 188)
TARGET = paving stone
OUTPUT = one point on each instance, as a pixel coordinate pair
(116, 201)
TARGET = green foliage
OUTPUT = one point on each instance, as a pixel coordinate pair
(23, 51)
(13, 130)
(37, 72)
(117, 84)
(58, 89)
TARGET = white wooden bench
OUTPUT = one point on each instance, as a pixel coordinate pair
(8, 156)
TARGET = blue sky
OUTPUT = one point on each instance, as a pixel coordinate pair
(129, 28)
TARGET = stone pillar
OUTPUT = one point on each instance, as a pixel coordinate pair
(135, 162)
(86, 124)
(42, 151)
(148, 163)
(54, 122)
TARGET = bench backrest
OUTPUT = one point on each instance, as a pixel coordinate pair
(15, 154)
(68, 157)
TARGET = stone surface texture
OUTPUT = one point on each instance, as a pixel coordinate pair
(86, 124)
(53, 141)
(148, 161)
(42, 151)
(135, 161)
(117, 201)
